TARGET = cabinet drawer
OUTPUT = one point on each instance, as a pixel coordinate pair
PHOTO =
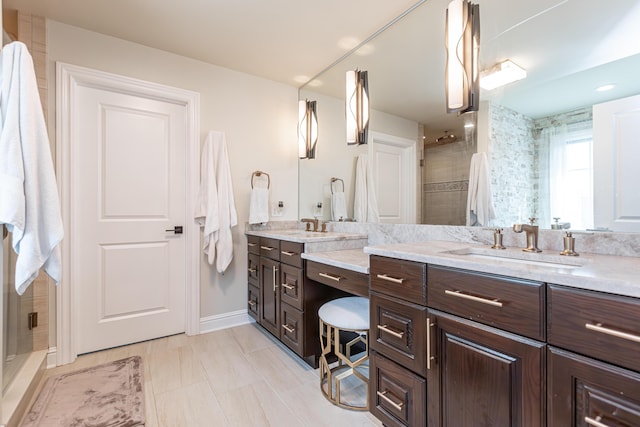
(599, 325)
(253, 268)
(253, 303)
(397, 330)
(270, 248)
(290, 253)
(253, 244)
(514, 305)
(347, 280)
(397, 395)
(399, 278)
(292, 328)
(291, 288)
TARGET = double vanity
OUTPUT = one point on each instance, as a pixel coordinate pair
(462, 334)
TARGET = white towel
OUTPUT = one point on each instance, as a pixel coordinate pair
(365, 206)
(216, 210)
(259, 204)
(479, 200)
(29, 202)
(338, 206)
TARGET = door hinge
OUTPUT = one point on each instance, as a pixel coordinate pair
(33, 320)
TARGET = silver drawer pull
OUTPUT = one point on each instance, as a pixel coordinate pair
(287, 286)
(252, 303)
(252, 270)
(288, 328)
(330, 276)
(252, 244)
(384, 397)
(267, 248)
(288, 253)
(390, 279)
(493, 302)
(594, 422)
(619, 334)
(386, 329)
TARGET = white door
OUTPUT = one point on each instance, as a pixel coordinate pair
(616, 126)
(127, 194)
(394, 173)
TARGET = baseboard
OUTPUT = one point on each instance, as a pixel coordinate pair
(52, 355)
(224, 321)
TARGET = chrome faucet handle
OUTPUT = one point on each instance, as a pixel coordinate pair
(497, 239)
(532, 220)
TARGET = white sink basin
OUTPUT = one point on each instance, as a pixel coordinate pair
(518, 256)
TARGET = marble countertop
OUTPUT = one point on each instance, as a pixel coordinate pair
(605, 273)
(350, 259)
(302, 236)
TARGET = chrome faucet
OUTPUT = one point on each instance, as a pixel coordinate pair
(532, 235)
(310, 221)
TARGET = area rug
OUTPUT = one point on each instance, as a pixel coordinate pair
(109, 395)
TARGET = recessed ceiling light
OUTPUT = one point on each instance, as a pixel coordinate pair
(606, 87)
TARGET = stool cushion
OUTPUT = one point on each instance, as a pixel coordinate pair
(346, 313)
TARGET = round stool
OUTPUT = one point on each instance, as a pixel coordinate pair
(344, 333)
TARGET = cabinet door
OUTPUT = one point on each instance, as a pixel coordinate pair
(253, 302)
(292, 328)
(587, 393)
(291, 289)
(253, 268)
(481, 376)
(269, 295)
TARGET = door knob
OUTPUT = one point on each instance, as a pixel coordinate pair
(176, 230)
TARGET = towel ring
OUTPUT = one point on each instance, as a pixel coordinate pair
(259, 173)
(334, 180)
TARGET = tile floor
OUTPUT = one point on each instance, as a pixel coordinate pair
(234, 377)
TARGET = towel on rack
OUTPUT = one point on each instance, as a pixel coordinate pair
(259, 204)
(216, 210)
(365, 206)
(29, 203)
(338, 206)
(479, 200)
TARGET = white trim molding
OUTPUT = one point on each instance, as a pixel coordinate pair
(68, 79)
(224, 321)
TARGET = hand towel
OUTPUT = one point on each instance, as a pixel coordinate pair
(216, 210)
(29, 203)
(479, 200)
(365, 206)
(338, 206)
(259, 204)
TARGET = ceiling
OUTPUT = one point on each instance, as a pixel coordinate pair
(287, 41)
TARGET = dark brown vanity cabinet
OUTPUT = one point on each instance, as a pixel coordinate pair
(594, 359)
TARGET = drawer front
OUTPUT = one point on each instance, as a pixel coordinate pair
(270, 248)
(595, 324)
(399, 278)
(253, 244)
(292, 328)
(253, 303)
(514, 305)
(253, 269)
(291, 288)
(397, 396)
(290, 253)
(347, 280)
(397, 330)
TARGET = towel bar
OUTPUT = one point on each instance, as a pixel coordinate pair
(334, 180)
(259, 173)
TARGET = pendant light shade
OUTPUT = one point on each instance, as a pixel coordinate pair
(462, 42)
(357, 107)
(307, 129)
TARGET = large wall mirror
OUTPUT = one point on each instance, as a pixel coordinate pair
(569, 48)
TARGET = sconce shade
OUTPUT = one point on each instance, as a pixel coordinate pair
(462, 42)
(307, 129)
(357, 107)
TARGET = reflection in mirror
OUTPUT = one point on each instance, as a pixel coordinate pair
(568, 50)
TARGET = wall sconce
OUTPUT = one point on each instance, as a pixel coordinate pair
(501, 74)
(357, 107)
(462, 42)
(307, 129)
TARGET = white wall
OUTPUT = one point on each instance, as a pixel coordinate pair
(258, 116)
